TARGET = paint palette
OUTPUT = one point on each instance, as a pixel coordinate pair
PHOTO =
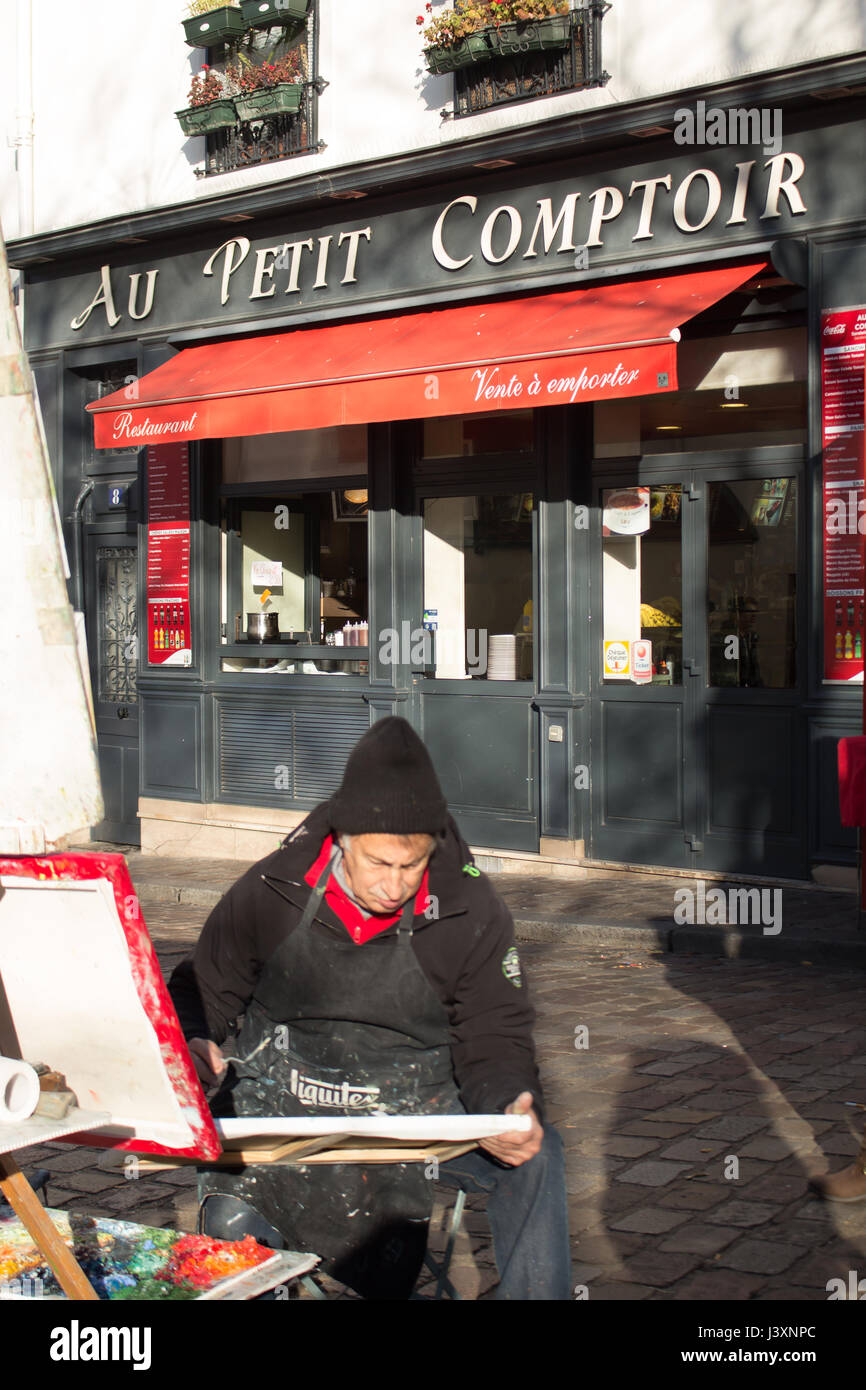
(125, 1261)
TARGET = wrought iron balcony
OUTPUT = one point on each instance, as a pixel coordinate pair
(521, 66)
(269, 137)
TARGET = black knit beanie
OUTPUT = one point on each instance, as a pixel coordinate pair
(389, 786)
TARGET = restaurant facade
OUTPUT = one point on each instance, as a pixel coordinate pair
(527, 440)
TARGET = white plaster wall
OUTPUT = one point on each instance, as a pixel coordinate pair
(108, 75)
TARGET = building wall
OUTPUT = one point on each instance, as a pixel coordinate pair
(91, 86)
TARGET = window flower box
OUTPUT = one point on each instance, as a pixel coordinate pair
(222, 24)
(282, 99)
(261, 14)
(475, 48)
(532, 35)
(214, 115)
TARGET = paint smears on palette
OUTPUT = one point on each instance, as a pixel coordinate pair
(124, 1262)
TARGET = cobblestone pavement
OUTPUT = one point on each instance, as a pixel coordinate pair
(701, 1096)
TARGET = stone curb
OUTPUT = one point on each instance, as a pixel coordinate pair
(157, 894)
(715, 941)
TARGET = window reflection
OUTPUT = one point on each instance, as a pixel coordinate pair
(752, 584)
(643, 576)
(478, 587)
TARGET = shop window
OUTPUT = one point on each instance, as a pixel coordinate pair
(301, 454)
(743, 614)
(267, 134)
(745, 389)
(459, 436)
(478, 568)
(294, 582)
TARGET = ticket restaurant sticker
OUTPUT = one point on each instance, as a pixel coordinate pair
(642, 661)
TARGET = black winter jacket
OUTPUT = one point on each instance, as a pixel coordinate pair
(466, 950)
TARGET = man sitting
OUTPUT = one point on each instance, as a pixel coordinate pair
(376, 972)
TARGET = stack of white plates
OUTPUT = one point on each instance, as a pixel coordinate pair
(502, 657)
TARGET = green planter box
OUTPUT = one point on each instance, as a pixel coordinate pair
(270, 101)
(222, 24)
(473, 49)
(532, 35)
(216, 115)
(261, 14)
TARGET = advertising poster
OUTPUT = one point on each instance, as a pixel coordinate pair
(843, 349)
(642, 662)
(617, 661)
(168, 626)
(625, 511)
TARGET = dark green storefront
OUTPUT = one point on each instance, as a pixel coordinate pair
(724, 760)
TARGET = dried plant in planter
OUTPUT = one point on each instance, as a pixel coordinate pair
(197, 7)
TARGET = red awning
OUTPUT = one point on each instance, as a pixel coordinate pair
(576, 345)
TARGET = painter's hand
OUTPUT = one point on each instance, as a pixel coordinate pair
(519, 1145)
(207, 1060)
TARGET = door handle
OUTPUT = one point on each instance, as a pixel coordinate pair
(690, 666)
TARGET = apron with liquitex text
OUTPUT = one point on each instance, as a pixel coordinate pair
(337, 1030)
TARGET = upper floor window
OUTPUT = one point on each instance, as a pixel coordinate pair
(506, 52)
(255, 100)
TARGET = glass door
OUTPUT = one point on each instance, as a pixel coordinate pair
(697, 738)
(751, 792)
(642, 716)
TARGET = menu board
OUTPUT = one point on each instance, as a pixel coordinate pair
(168, 624)
(843, 357)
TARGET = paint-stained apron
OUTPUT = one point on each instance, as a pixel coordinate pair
(334, 1029)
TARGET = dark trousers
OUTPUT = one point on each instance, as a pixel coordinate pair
(528, 1217)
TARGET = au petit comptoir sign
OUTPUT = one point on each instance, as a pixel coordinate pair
(473, 238)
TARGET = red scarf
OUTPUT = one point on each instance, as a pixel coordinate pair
(359, 927)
